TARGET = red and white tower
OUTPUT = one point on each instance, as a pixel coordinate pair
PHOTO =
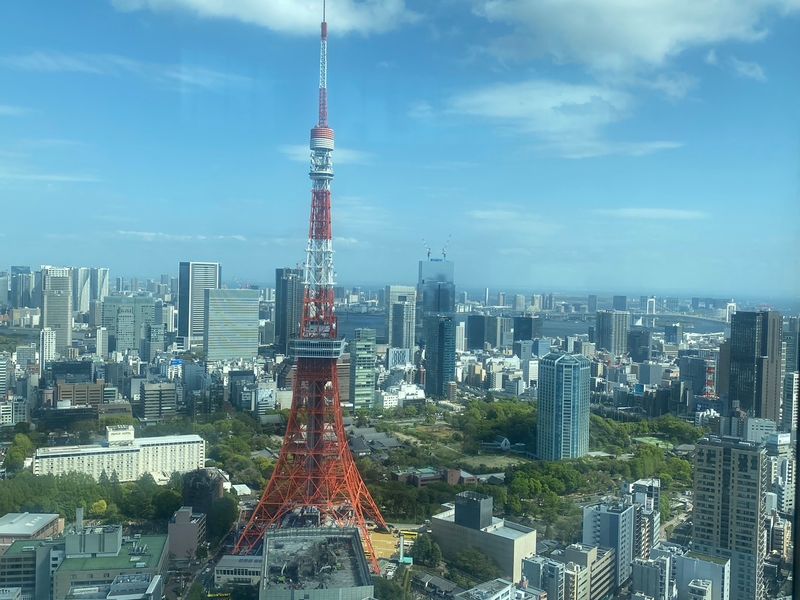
(316, 480)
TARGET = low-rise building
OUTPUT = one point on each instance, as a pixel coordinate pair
(470, 524)
(187, 532)
(238, 570)
(29, 526)
(126, 456)
(599, 562)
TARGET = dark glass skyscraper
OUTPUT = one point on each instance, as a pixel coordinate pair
(436, 289)
(527, 328)
(754, 386)
(619, 303)
(440, 354)
(288, 306)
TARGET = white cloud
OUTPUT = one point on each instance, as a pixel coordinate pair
(172, 75)
(153, 236)
(6, 110)
(511, 220)
(566, 119)
(653, 214)
(420, 110)
(12, 175)
(619, 35)
(341, 156)
(747, 69)
(291, 16)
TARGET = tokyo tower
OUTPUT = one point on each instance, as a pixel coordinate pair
(316, 481)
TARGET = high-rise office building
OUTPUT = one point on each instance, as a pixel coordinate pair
(436, 289)
(476, 331)
(402, 325)
(158, 401)
(99, 283)
(101, 342)
(153, 341)
(755, 383)
(563, 430)
(791, 337)
(730, 485)
(519, 302)
(57, 305)
(791, 398)
(527, 328)
(440, 354)
(612, 526)
(125, 318)
(47, 347)
(619, 303)
(400, 294)
(461, 337)
(591, 304)
(640, 344)
(194, 278)
(362, 369)
(81, 289)
(289, 292)
(21, 286)
(612, 331)
(230, 319)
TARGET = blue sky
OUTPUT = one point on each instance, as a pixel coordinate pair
(558, 144)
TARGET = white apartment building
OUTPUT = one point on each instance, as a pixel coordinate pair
(123, 454)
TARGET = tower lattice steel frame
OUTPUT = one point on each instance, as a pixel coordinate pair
(316, 480)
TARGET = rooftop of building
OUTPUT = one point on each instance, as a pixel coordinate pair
(232, 561)
(22, 524)
(499, 527)
(486, 589)
(717, 560)
(20, 547)
(314, 558)
(132, 447)
(147, 549)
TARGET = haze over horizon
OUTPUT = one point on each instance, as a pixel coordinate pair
(658, 153)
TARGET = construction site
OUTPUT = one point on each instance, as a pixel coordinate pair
(315, 563)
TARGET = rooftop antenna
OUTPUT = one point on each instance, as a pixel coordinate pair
(444, 249)
(427, 248)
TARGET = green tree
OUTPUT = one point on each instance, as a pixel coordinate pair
(221, 517)
(165, 503)
(477, 565)
(99, 508)
(386, 589)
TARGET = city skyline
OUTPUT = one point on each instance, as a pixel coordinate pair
(183, 131)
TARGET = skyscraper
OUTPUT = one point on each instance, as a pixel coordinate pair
(125, 318)
(436, 289)
(393, 295)
(791, 337)
(57, 305)
(791, 398)
(755, 382)
(99, 283)
(619, 303)
(362, 369)
(401, 323)
(193, 279)
(612, 331)
(288, 306)
(21, 286)
(527, 328)
(153, 341)
(730, 485)
(230, 318)
(81, 289)
(440, 354)
(563, 430)
(639, 344)
(47, 347)
(476, 331)
(612, 526)
(592, 303)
